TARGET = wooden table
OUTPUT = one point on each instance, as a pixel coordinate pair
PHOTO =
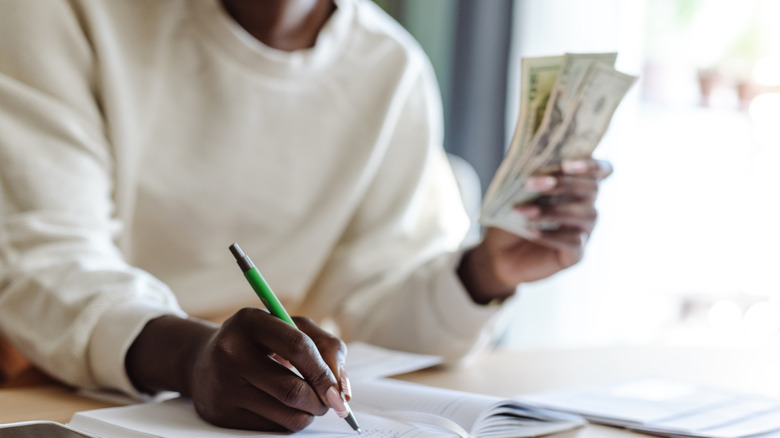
(505, 373)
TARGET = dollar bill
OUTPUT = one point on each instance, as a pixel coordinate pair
(567, 87)
(580, 106)
(573, 73)
(589, 118)
(552, 107)
(538, 76)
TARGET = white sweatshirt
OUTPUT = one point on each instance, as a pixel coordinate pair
(140, 138)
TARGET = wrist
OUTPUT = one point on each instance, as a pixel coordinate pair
(478, 275)
(163, 356)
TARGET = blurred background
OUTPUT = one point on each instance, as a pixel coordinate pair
(687, 249)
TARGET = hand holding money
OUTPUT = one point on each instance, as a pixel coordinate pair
(566, 105)
(503, 259)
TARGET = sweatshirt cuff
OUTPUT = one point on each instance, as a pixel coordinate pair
(115, 332)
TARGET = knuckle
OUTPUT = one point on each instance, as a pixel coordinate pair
(323, 378)
(333, 343)
(240, 319)
(244, 311)
(303, 321)
(299, 342)
(225, 346)
(242, 314)
(246, 314)
(295, 393)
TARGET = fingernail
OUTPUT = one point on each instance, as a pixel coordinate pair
(528, 211)
(540, 183)
(574, 166)
(336, 402)
(346, 387)
(531, 234)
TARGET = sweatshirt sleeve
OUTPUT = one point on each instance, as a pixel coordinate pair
(392, 277)
(68, 299)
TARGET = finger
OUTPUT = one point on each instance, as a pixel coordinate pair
(297, 347)
(550, 200)
(259, 411)
(332, 349)
(562, 188)
(286, 387)
(528, 211)
(580, 216)
(259, 368)
(265, 406)
(570, 189)
(273, 335)
(600, 169)
(541, 183)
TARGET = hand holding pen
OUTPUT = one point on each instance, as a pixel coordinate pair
(232, 372)
(307, 345)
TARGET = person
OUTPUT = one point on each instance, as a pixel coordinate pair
(139, 139)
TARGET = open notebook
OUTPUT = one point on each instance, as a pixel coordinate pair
(385, 409)
(670, 408)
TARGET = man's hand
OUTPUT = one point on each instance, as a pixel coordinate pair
(238, 375)
(560, 221)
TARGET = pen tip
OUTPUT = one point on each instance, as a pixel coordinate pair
(352, 421)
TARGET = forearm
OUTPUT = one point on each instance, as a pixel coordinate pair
(163, 355)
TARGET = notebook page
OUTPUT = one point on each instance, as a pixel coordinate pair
(383, 394)
(632, 402)
(516, 421)
(735, 410)
(670, 407)
(177, 419)
(366, 361)
(480, 415)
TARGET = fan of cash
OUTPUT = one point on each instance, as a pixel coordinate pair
(566, 104)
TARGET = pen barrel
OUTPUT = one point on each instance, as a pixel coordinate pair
(267, 296)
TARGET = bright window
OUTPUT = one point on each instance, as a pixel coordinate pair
(687, 249)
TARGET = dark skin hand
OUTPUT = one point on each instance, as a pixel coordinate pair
(494, 268)
(234, 373)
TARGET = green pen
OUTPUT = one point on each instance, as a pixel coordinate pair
(258, 283)
(272, 303)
